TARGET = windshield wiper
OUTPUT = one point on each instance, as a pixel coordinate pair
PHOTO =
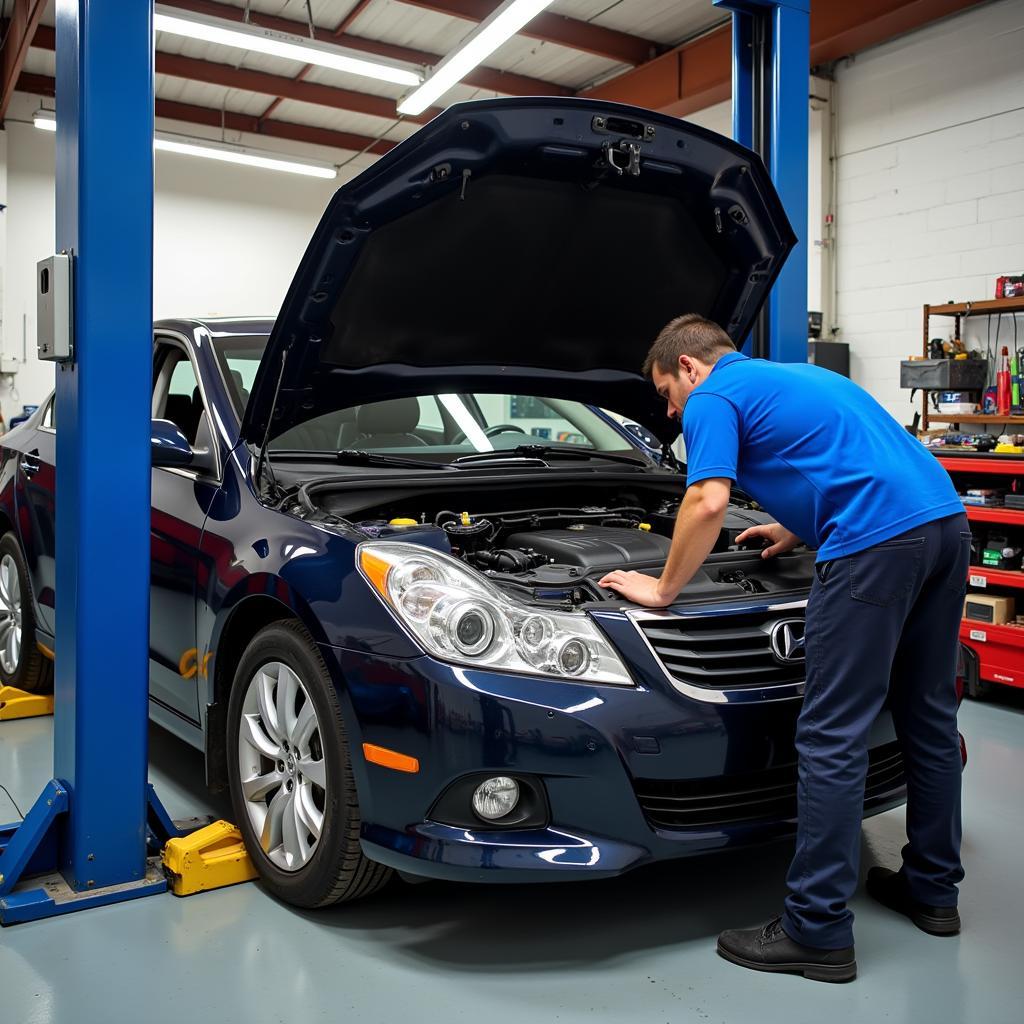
(538, 450)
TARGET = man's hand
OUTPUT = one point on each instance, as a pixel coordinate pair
(635, 586)
(781, 539)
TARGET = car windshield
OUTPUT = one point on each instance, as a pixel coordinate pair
(433, 424)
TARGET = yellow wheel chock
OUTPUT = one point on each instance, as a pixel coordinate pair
(209, 858)
(15, 703)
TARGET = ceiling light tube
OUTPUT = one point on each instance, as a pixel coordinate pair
(280, 44)
(494, 30)
(210, 150)
(242, 155)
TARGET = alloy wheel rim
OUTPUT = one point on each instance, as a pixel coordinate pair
(282, 771)
(10, 616)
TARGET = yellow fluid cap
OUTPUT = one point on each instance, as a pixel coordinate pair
(402, 522)
(644, 526)
(466, 521)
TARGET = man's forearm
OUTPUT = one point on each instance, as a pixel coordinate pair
(698, 524)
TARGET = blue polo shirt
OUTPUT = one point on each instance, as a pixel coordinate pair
(816, 451)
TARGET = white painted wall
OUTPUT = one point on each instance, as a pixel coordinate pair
(929, 132)
(227, 240)
(930, 191)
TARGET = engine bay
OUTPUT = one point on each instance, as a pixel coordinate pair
(556, 551)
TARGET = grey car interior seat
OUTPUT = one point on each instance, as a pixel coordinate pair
(389, 424)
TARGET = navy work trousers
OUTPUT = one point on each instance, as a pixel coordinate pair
(882, 627)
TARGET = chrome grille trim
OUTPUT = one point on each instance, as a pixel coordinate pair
(645, 620)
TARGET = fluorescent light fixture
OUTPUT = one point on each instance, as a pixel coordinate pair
(241, 155)
(210, 150)
(494, 30)
(280, 44)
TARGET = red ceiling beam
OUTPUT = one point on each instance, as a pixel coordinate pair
(699, 73)
(230, 77)
(839, 29)
(41, 85)
(679, 82)
(17, 34)
(556, 28)
(480, 78)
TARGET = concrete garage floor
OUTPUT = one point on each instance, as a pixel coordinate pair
(638, 949)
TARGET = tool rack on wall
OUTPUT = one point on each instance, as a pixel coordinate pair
(998, 648)
(960, 311)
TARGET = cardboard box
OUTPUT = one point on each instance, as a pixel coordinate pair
(996, 611)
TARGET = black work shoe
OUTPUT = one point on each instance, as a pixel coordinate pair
(890, 889)
(769, 948)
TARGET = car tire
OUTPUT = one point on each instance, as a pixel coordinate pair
(22, 664)
(275, 782)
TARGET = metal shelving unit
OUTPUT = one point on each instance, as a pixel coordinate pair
(959, 311)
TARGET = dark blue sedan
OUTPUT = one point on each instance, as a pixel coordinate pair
(379, 522)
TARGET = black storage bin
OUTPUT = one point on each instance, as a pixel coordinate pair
(944, 374)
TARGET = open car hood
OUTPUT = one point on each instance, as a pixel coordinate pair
(528, 245)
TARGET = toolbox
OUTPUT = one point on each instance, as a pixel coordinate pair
(944, 374)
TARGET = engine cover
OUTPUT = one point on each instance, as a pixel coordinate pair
(596, 548)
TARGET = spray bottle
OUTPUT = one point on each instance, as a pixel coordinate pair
(1003, 384)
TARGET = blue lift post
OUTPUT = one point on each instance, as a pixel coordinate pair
(770, 68)
(89, 827)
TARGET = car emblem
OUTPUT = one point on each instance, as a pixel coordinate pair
(788, 641)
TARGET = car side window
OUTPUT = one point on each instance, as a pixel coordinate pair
(183, 403)
(50, 414)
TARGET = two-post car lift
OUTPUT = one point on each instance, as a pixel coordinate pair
(90, 838)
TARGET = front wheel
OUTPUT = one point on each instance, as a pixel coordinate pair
(290, 773)
(22, 664)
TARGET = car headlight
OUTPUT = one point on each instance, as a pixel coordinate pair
(460, 616)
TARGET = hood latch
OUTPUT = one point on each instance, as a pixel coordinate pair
(623, 156)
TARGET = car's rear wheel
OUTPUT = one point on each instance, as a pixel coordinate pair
(22, 664)
(290, 773)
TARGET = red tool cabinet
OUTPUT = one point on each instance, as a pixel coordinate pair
(998, 649)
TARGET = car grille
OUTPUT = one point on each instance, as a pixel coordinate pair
(725, 800)
(722, 651)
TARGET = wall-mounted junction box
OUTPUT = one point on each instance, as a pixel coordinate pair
(54, 307)
(9, 365)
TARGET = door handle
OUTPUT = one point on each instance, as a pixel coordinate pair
(30, 466)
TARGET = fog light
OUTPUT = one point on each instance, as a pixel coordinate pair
(496, 798)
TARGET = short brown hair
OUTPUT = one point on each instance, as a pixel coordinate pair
(688, 335)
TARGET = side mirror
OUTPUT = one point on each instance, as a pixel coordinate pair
(168, 445)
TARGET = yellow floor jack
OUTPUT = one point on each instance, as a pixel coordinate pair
(15, 703)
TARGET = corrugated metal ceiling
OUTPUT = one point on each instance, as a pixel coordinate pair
(665, 22)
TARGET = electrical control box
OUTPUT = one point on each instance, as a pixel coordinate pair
(54, 311)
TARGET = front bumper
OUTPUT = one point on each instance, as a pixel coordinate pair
(589, 744)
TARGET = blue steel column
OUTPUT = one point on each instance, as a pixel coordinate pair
(791, 48)
(105, 217)
(787, 152)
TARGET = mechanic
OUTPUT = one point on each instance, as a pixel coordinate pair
(893, 546)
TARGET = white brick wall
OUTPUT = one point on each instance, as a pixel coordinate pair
(930, 201)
